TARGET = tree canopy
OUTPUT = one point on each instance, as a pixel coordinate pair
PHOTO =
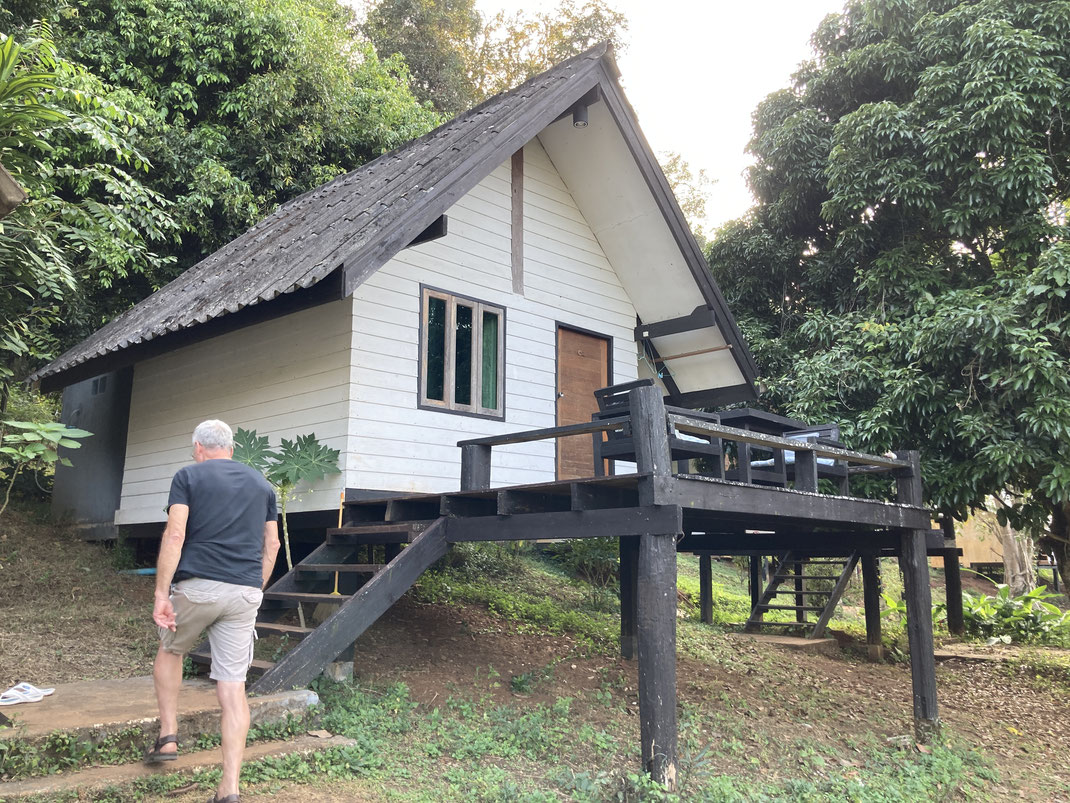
(210, 113)
(906, 266)
(90, 220)
(459, 56)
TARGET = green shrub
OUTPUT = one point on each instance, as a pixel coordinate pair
(475, 560)
(596, 560)
(1029, 617)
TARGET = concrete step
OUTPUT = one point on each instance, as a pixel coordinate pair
(822, 645)
(94, 711)
(96, 778)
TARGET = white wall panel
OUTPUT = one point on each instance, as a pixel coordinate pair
(283, 378)
(568, 279)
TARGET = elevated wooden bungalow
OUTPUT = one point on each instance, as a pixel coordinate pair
(449, 316)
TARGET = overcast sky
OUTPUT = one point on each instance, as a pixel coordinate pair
(695, 69)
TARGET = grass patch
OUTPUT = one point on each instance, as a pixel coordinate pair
(540, 597)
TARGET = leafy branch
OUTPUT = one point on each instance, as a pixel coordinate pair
(34, 446)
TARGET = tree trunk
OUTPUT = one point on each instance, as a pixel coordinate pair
(1060, 542)
(1019, 560)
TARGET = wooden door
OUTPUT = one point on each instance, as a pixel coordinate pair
(582, 368)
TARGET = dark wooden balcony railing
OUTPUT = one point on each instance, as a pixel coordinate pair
(476, 454)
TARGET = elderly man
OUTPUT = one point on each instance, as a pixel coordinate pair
(218, 550)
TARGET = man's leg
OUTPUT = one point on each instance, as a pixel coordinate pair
(235, 726)
(167, 678)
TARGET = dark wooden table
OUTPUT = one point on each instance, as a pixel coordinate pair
(754, 420)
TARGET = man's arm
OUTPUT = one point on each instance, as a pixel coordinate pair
(271, 549)
(174, 535)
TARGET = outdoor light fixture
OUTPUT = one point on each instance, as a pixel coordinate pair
(579, 117)
(11, 194)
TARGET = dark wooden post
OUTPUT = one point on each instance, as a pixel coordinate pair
(805, 471)
(705, 588)
(871, 597)
(805, 480)
(914, 564)
(755, 580)
(800, 587)
(744, 469)
(628, 547)
(956, 622)
(475, 467)
(657, 594)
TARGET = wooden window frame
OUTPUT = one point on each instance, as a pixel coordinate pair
(448, 405)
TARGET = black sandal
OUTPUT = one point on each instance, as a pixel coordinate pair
(154, 756)
(227, 799)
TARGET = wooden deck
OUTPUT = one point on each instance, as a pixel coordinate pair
(712, 514)
(654, 514)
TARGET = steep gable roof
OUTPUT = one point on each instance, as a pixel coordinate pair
(323, 244)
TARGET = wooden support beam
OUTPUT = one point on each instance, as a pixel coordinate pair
(657, 657)
(956, 622)
(781, 506)
(516, 221)
(800, 599)
(657, 594)
(475, 467)
(567, 524)
(438, 229)
(871, 597)
(705, 587)
(701, 317)
(755, 580)
(510, 502)
(416, 509)
(814, 544)
(600, 497)
(466, 506)
(628, 548)
(364, 513)
(914, 564)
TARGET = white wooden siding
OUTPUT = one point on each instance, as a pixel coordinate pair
(349, 370)
(285, 377)
(567, 279)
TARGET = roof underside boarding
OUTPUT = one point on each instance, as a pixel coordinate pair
(322, 245)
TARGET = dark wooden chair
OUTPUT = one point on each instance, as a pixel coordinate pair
(618, 445)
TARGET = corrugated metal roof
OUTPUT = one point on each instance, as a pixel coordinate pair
(308, 238)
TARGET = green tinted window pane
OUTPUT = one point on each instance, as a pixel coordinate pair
(462, 390)
(436, 349)
(490, 360)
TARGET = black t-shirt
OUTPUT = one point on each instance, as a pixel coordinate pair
(228, 506)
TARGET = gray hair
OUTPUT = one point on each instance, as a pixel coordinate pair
(213, 434)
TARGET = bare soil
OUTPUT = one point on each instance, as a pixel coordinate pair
(65, 613)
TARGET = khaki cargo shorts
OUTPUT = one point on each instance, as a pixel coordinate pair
(227, 612)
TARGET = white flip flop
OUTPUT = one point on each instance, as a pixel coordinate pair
(14, 696)
(31, 690)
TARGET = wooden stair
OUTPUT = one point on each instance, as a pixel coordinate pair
(314, 580)
(791, 568)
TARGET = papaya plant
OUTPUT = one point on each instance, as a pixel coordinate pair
(301, 460)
